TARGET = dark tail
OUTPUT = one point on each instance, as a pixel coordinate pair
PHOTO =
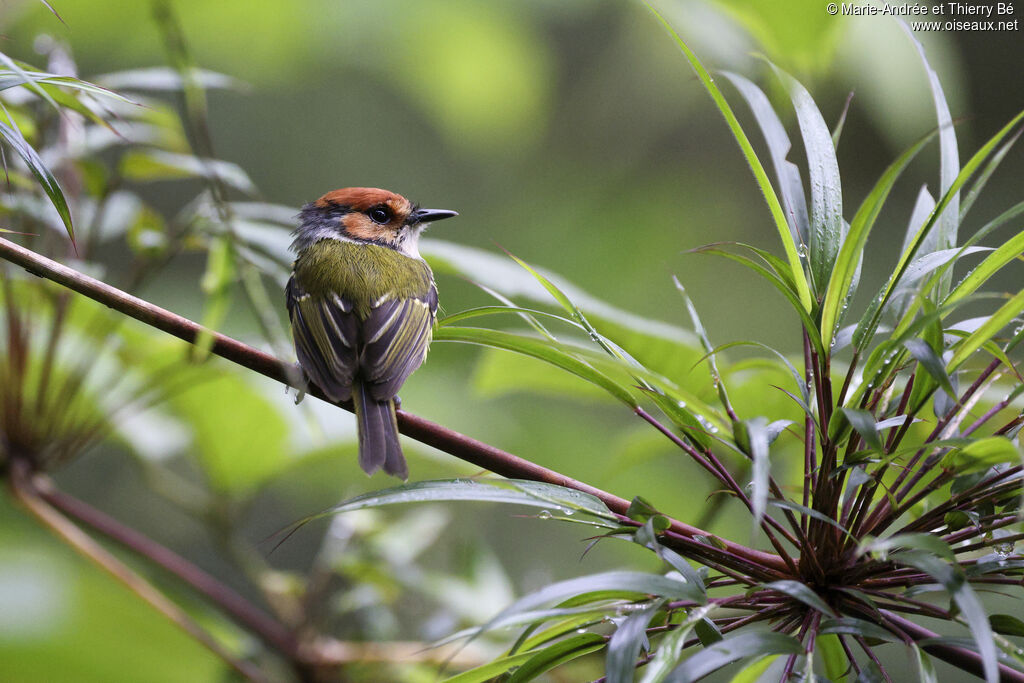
(378, 434)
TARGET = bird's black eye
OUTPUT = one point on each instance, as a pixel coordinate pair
(379, 214)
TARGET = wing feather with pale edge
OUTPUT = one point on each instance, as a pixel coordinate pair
(396, 337)
(326, 332)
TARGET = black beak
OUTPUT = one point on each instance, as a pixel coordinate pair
(431, 215)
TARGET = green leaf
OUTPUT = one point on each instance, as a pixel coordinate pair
(1006, 624)
(621, 582)
(707, 632)
(786, 172)
(647, 537)
(156, 164)
(833, 656)
(698, 328)
(803, 593)
(682, 417)
(803, 510)
(555, 655)
(951, 577)
(670, 648)
(752, 436)
(869, 321)
(776, 281)
(491, 670)
(13, 137)
(499, 275)
(741, 646)
(826, 232)
(982, 454)
(882, 547)
(857, 627)
(161, 78)
(479, 311)
(541, 350)
(754, 672)
(509, 491)
(802, 293)
(625, 644)
(216, 284)
(996, 322)
(983, 177)
(925, 668)
(852, 251)
(993, 224)
(928, 359)
(949, 164)
(1010, 250)
(864, 423)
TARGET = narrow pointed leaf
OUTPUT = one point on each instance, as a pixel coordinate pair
(952, 579)
(949, 164)
(982, 454)
(779, 284)
(625, 644)
(864, 423)
(869, 322)
(826, 232)
(670, 648)
(986, 173)
(535, 348)
(852, 250)
(787, 173)
(616, 582)
(803, 593)
(12, 136)
(803, 292)
(927, 358)
(752, 435)
(555, 655)
(491, 670)
(1011, 250)
(735, 648)
(511, 491)
(857, 627)
(996, 322)
(925, 668)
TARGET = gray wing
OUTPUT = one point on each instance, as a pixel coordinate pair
(326, 332)
(396, 336)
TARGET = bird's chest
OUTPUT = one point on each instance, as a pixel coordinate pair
(361, 274)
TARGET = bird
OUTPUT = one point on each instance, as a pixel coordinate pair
(362, 304)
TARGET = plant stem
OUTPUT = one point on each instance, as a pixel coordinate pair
(427, 432)
(27, 494)
(960, 657)
(237, 607)
(717, 469)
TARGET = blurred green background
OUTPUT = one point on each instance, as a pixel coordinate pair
(570, 132)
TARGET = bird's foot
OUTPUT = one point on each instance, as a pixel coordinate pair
(299, 381)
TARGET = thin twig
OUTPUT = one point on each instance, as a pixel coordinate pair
(25, 492)
(234, 605)
(960, 657)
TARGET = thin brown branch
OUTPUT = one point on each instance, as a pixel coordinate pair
(272, 632)
(960, 657)
(25, 492)
(427, 432)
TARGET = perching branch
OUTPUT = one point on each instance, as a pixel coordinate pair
(427, 432)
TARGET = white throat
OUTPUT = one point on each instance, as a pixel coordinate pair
(409, 241)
